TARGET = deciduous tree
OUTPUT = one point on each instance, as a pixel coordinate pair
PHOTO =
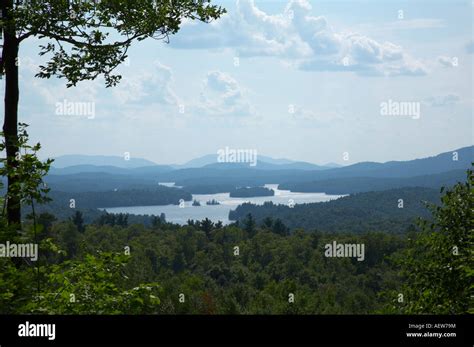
(81, 40)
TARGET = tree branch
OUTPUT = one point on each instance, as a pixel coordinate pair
(80, 44)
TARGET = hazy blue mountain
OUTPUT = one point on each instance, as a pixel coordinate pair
(139, 171)
(286, 174)
(71, 164)
(350, 185)
(100, 160)
(426, 166)
(278, 161)
(211, 159)
(394, 169)
(262, 165)
(150, 170)
(333, 165)
(87, 168)
(198, 162)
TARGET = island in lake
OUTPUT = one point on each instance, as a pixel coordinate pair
(213, 202)
(250, 192)
(196, 203)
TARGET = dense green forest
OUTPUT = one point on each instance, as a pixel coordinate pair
(88, 203)
(249, 268)
(248, 192)
(258, 265)
(390, 211)
(360, 212)
(159, 195)
(63, 202)
(201, 263)
(209, 188)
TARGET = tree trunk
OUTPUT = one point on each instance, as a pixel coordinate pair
(10, 125)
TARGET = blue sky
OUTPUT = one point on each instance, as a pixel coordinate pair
(297, 79)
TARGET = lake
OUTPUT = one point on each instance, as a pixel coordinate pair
(180, 215)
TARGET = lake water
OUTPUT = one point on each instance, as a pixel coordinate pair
(180, 215)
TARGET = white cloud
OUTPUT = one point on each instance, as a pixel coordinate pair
(151, 86)
(447, 61)
(296, 35)
(223, 96)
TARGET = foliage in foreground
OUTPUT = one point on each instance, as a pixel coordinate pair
(438, 264)
(258, 268)
(207, 268)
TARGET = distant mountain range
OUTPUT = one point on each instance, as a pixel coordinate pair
(211, 177)
(211, 159)
(109, 169)
(100, 160)
(97, 181)
(69, 164)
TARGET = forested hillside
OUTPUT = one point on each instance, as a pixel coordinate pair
(202, 263)
(350, 185)
(432, 172)
(206, 268)
(273, 260)
(158, 195)
(248, 192)
(390, 211)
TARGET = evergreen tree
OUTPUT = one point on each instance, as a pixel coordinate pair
(206, 226)
(280, 228)
(249, 225)
(267, 222)
(78, 221)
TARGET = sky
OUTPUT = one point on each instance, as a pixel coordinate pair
(316, 81)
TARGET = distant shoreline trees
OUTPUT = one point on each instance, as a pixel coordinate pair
(249, 192)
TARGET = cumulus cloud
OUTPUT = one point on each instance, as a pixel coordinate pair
(223, 96)
(447, 61)
(307, 41)
(152, 85)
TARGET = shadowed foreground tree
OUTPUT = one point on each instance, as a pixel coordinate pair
(82, 40)
(438, 264)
